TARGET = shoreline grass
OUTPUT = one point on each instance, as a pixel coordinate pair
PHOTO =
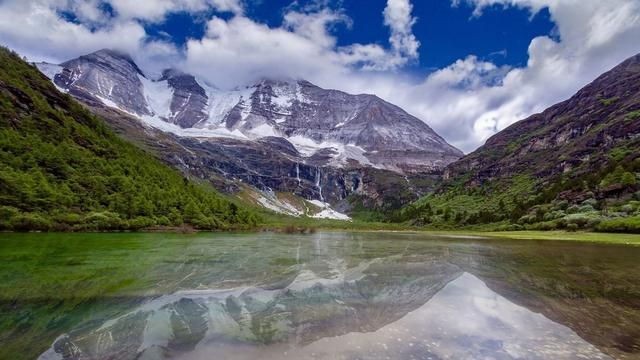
(557, 235)
(586, 237)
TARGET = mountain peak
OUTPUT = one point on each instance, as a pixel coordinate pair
(113, 53)
(274, 82)
(114, 57)
(108, 75)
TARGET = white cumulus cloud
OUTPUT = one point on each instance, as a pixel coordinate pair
(466, 102)
(397, 16)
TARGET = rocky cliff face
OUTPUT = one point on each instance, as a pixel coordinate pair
(189, 101)
(108, 75)
(271, 164)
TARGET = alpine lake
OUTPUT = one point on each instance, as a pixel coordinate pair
(328, 295)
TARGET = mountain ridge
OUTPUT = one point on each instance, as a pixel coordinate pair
(574, 165)
(609, 93)
(309, 117)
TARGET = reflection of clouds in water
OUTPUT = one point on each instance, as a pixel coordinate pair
(469, 321)
(465, 320)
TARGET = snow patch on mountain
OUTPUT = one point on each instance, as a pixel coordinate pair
(49, 70)
(110, 103)
(270, 201)
(327, 212)
(158, 95)
(283, 205)
(222, 102)
(215, 132)
(342, 153)
(263, 130)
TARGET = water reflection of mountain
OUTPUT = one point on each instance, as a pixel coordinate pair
(357, 299)
(439, 301)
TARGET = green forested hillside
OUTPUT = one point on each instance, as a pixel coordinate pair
(61, 168)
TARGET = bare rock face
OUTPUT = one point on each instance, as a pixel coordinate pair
(189, 101)
(387, 135)
(110, 76)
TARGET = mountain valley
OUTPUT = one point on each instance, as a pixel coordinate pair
(293, 148)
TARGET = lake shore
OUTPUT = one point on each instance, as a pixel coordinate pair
(582, 236)
(589, 237)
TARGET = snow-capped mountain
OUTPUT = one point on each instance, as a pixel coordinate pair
(334, 152)
(342, 129)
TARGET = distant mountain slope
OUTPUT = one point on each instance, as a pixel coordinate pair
(62, 168)
(602, 116)
(584, 151)
(340, 126)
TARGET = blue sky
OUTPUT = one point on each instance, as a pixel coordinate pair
(500, 35)
(468, 68)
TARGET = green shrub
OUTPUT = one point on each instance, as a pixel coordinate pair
(609, 101)
(527, 219)
(583, 220)
(544, 226)
(70, 219)
(29, 222)
(163, 221)
(586, 209)
(619, 176)
(207, 223)
(553, 215)
(561, 205)
(105, 220)
(572, 227)
(633, 115)
(573, 209)
(628, 179)
(7, 213)
(141, 222)
(622, 225)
